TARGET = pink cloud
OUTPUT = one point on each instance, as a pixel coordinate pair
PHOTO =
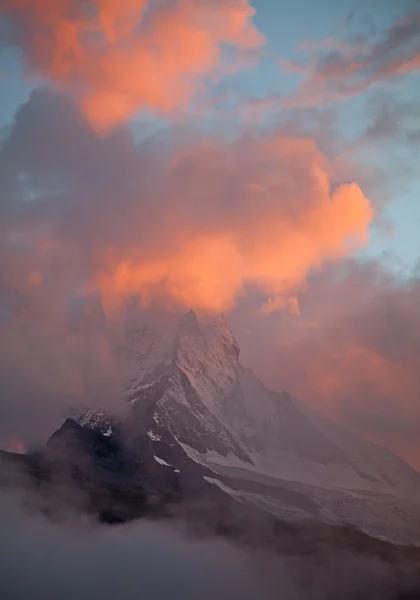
(118, 57)
(352, 354)
(289, 220)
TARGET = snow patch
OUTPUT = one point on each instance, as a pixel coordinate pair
(161, 461)
(221, 485)
(96, 419)
(194, 454)
(154, 436)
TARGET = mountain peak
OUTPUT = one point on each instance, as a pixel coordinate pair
(205, 339)
(218, 327)
(193, 343)
(189, 321)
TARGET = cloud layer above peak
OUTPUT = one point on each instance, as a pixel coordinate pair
(189, 218)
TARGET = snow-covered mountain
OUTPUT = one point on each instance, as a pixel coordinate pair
(188, 392)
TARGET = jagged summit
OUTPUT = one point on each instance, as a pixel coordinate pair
(189, 343)
(189, 320)
(206, 349)
(96, 418)
(192, 344)
(206, 333)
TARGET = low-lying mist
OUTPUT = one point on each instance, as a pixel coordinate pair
(78, 558)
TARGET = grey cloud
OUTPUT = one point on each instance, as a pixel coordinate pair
(40, 559)
(355, 65)
(162, 561)
(392, 120)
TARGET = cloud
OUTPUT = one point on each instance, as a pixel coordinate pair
(54, 361)
(337, 70)
(190, 218)
(233, 221)
(392, 120)
(118, 57)
(352, 354)
(84, 561)
(79, 559)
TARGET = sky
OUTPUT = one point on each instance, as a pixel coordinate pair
(257, 159)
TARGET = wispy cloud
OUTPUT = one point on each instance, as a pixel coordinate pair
(335, 70)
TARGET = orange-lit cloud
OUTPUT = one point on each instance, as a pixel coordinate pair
(334, 378)
(16, 445)
(284, 220)
(368, 390)
(35, 278)
(119, 56)
(352, 354)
